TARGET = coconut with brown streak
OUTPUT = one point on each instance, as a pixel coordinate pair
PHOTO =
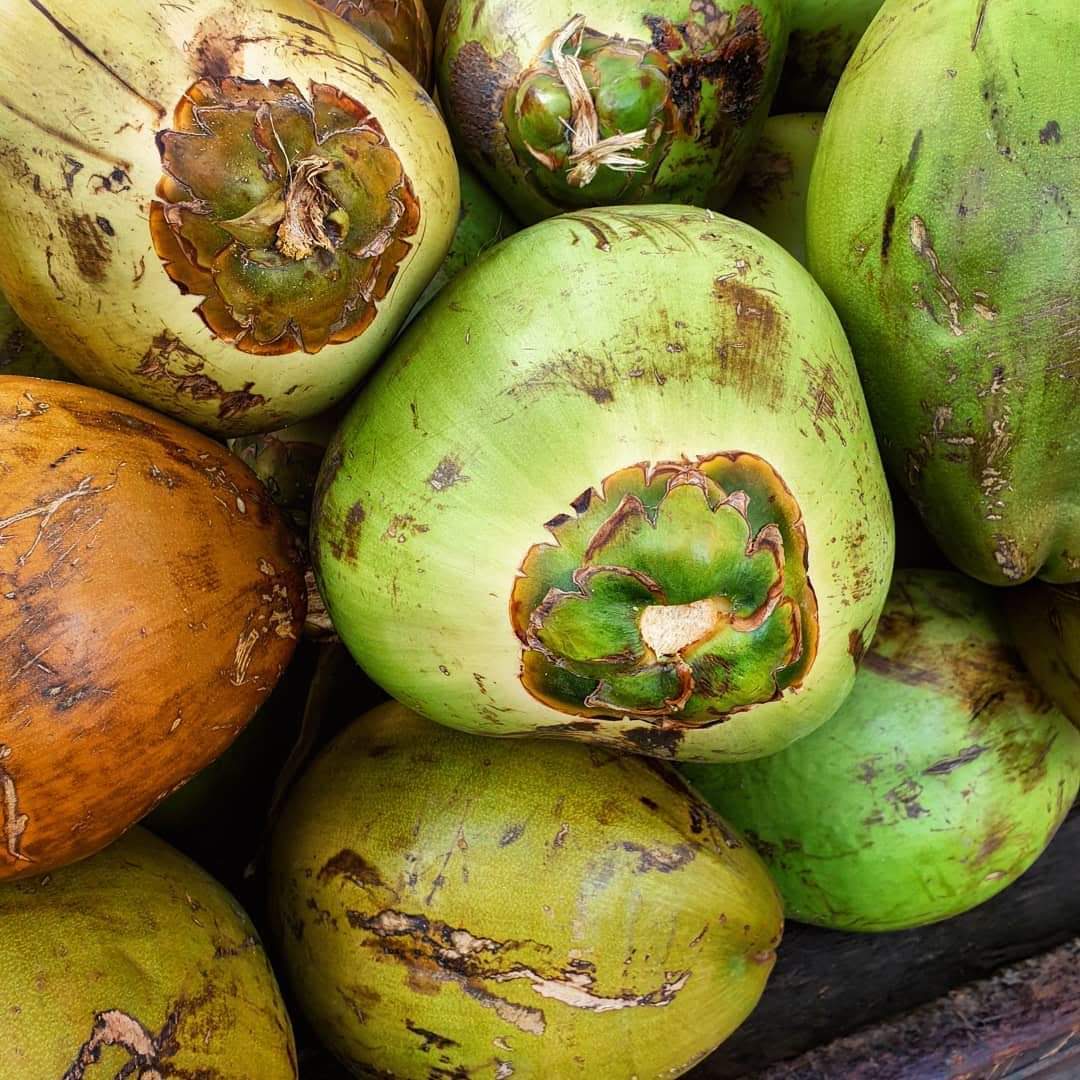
(224, 211)
(450, 906)
(150, 597)
(135, 964)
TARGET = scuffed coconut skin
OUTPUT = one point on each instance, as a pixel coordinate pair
(824, 34)
(223, 212)
(21, 353)
(1045, 623)
(136, 963)
(666, 104)
(483, 909)
(938, 782)
(771, 195)
(940, 225)
(641, 506)
(401, 27)
(150, 598)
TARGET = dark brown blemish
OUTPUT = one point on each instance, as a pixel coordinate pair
(431, 1038)
(69, 170)
(167, 349)
(1051, 133)
(905, 797)
(512, 834)
(447, 473)
(664, 860)
(346, 547)
(735, 62)
(477, 86)
(88, 246)
(656, 740)
(857, 645)
(948, 765)
(647, 802)
(352, 867)
(909, 674)
(901, 187)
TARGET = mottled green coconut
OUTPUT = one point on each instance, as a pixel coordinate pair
(937, 784)
(482, 222)
(940, 224)
(824, 34)
(135, 963)
(560, 106)
(771, 195)
(636, 499)
(1045, 622)
(22, 354)
(449, 906)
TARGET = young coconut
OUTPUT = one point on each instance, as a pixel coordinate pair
(952, 262)
(560, 108)
(772, 193)
(150, 597)
(136, 964)
(223, 211)
(482, 223)
(1045, 622)
(401, 27)
(478, 908)
(21, 353)
(640, 503)
(824, 34)
(937, 784)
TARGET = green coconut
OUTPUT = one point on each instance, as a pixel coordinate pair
(482, 222)
(1045, 621)
(940, 225)
(561, 107)
(135, 963)
(21, 353)
(637, 500)
(824, 34)
(448, 906)
(937, 784)
(771, 195)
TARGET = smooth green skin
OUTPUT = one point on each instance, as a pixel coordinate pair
(937, 784)
(824, 34)
(405, 842)
(771, 195)
(140, 929)
(483, 45)
(482, 222)
(1045, 623)
(22, 354)
(976, 412)
(656, 332)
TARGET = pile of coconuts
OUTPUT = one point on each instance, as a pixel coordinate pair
(502, 504)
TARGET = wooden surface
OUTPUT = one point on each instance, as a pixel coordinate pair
(1023, 1021)
(827, 984)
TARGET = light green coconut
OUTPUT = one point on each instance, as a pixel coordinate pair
(635, 500)
(450, 906)
(772, 192)
(937, 784)
(941, 224)
(1045, 622)
(135, 963)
